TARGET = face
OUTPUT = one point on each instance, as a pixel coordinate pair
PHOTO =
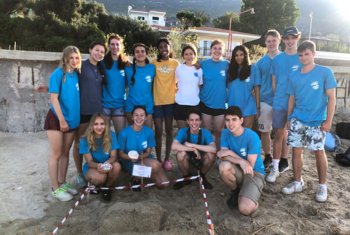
(216, 52)
(73, 61)
(97, 53)
(139, 117)
(99, 126)
(291, 42)
(164, 50)
(239, 57)
(189, 56)
(194, 122)
(115, 46)
(233, 123)
(272, 43)
(140, 54)
(307, 57)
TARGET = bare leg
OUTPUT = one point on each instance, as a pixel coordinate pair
(228, 174)
(182, 162)
(249, 121)
(322, 166)
(207, 122)
(181, 124)
(78, 158)
(169, 136)
(149, 121)
(208, 162)
(158, 175)
(285, 147)
(56, 142)
(64, 159)
(278, 143)
(113, 174)
(158, 127)
(297, 161)
(246, 206)
(266, 142)
(95, 177)
(219, 122)
(118, 123)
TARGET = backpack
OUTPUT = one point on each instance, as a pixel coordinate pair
(332, 142)
(343, 130)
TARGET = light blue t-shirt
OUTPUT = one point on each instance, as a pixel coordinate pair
(139, 141)
(264, 74)
(240, 93)
(113, 92)
(309, 90)
(282, 66)
(99, 156)
(206, 139)
(140, 93)
(213, 91)
(68, 95)
(247, 143)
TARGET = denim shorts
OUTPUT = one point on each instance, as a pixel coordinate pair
(111, 112)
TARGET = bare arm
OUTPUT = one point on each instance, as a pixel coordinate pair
(327, 124)
(274, 83)
(210, 148)
(56, 105)
(177, 146)
(246, 165)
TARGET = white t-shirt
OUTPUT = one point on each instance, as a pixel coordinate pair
(188, 80)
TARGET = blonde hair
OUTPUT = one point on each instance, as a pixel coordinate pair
(106, 136)
(67, 52)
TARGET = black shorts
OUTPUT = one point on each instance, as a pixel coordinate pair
(181, 111)
(85, 118)
(209, 111)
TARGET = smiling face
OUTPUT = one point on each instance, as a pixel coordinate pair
(272, 43)
(291, 42)
(140, 54)
(216, 51)
(233, 123)
(115, 47)
(99, 126)
(164, 50)
(73, 61)
(97, 53)
(189, 56)
(194, 122)
(239, 57)
(139, 117)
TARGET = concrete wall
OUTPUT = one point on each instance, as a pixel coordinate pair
(23, 109)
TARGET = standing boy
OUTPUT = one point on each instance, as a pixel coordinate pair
(240, 165)
(282, 65)
(195, 146)
(310, 112)
(272, 42)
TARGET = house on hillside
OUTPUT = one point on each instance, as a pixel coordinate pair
(150, 17)
(206, 35)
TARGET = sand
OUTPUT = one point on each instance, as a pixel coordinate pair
(26, 206)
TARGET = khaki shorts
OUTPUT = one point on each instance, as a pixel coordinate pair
(265, 118)
(251, 186)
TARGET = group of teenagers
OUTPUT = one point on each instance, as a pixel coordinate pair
(214, 102)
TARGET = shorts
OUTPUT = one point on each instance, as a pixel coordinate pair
(279, 119)
(128, 165)
(163, 111)
(301, 135)
(181, 111)
(112, 112)
(265, 118)
(85, 118)
(209, 111)
(52, 123)
(251, 186)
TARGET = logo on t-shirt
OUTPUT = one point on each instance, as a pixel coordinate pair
(247, 79)
(144, 144)
(243, 152)
(295, 67)
(315, 85)
(164, 69)
(77, 86)
(122, 72)
(195, 74)
(148, 78)
(223, 73)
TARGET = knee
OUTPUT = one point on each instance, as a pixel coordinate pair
(98, 179)
(156, 166)
(116, 167)
(181, 156)
(245, 209)
(225, 169)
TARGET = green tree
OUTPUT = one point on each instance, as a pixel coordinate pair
(223, 22)
(188, 19)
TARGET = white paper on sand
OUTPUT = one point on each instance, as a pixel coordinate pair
(142, 171)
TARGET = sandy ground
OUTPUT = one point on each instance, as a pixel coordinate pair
(26, 206)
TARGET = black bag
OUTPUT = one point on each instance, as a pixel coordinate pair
(197, 163)
(343, 158)
(343, 130)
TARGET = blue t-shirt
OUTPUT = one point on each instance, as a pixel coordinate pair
(113, 92)
(309, 90)
(213, 91)
(68, 95)
(247, 143)
(140, 93)
(139, 141)
(282, 66)
(90, 84)
(99, 156)
(240, 93)
(206, 139)
(264, 74)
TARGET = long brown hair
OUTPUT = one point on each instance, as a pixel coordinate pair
(91, 137)
(122, 59)
(234, 71)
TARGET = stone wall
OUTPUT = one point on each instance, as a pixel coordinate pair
(23, 109)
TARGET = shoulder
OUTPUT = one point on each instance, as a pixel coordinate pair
(174, 62)
(252, 134)
(205, 131)
(58, 72)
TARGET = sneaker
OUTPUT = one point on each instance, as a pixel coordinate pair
(206, 183)
(69, 188)
(181, 184)
(272, 176)
(167, 165)
(293, 187)
(136, 182)
(106, 195)
(267, 161)
(232, 202)
(283, 166)
(321, 194)
(61, 195)
(80, 181)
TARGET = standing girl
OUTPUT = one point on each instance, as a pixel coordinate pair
(90, 84)
(243, 87)
(140, 78)
(164, 88)
(189, 78)
(62, 120)
(113, 90)
(213, 92)
(99, 147)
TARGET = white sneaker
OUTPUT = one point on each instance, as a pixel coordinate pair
(321, 194)
(294, 187)
(69, 188)
(61, 195)
(272, 176)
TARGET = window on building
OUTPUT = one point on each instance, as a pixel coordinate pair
(155, 18)
(141, 18)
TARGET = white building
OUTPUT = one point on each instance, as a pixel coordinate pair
(150, 17)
